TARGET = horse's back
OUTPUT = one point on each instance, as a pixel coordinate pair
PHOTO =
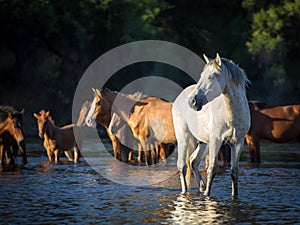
(278, 124)
(283, 112)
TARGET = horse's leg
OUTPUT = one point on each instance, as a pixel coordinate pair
(195, 160)
(8, 154)
(183, 137)
(1, 154)
(116, 146)
(235, 156)
(147, 152)
(139, 152)
(154, 155)
(76, 153)
(214, 146)
(163, 152)
(49, 153)
(254, 148)
(130, 155)
(56, 155)
(124, 154)
(69, 154)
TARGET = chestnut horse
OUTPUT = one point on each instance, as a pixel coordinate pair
(56, 139)
(11, 133)
(117, 124)
(100, 113)
(279, 124)
(149, 119)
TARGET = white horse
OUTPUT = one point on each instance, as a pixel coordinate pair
(215, 111)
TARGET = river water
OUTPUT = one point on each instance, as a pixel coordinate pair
(68, 193)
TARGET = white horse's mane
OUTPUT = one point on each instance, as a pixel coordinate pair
(236, 74)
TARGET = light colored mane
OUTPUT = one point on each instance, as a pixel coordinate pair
(236, 74)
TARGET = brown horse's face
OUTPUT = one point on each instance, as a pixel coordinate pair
(42, 120)
(102, 107)
(15, 129)
(83, 113)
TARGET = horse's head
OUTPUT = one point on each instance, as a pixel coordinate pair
(211, 84)
(83, 113)
(15, 129)
(42, 119)
(100, 108)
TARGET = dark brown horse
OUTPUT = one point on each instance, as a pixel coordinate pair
(279, 124)
(56, 139)
(9, 145)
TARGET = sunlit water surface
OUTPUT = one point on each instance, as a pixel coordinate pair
(67, 193)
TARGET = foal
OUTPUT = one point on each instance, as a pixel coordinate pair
(56, 139)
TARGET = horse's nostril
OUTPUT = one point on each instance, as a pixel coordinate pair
(192, 101)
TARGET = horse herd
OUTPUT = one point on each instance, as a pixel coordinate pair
(207, 118)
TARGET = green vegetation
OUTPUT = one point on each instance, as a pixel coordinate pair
(46, 45)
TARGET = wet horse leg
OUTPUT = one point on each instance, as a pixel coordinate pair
(195, 160)
(254, 148)
(235, 156)
(214, 146)
(1, 154)
(56, 155)
(69, 154)
(76, 153)
(183, 138)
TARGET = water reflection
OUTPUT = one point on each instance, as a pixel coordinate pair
(45, 192)
(198, 210)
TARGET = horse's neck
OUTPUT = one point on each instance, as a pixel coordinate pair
(233, 101)
(51, 131)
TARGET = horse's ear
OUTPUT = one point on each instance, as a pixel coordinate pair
(218, 60)
(47, 114)
(98, 92)
(106, 90)
(36, 115)
(206, 59)
(22, 111)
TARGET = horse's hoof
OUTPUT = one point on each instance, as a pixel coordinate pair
(234, 197)
(206, 194)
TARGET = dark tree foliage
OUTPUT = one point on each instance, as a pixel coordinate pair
(46, 45)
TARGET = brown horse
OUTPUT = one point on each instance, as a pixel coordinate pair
(149, 119)
(56, 139)
(119, 127)
(11, 135)
(101, 113)
(279, 124)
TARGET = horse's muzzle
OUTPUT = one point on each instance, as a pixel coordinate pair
(194, 104)
(41, 135)
(91, 122)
